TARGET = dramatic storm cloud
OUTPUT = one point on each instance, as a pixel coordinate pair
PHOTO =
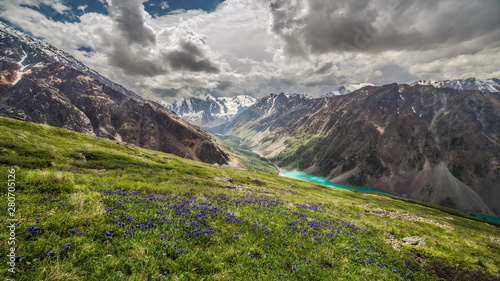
(129, 16)
(165, 50)
(314, 26)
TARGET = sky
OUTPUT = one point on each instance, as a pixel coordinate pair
(168, 50)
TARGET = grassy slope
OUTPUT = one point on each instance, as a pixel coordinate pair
(246, 156)
(257, 227)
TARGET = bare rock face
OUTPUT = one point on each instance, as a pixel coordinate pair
(41, 84)
(438, 145)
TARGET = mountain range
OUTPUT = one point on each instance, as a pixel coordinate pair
(490, 85)
(210, 111)
(438, 145)
(42, 84)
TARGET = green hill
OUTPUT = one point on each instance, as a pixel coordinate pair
(93, 209)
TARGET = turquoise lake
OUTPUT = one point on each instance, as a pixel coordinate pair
(323, 181)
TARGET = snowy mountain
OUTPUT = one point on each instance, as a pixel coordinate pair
(209, 111)
(36, 51)
(490, 85)
(344, 90)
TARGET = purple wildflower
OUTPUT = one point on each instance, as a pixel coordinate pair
(67, 245)
(33, 229)
(51, 253)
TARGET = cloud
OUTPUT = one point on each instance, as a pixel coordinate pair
(164, 5)
(82, 8)
(317, 27)
(261, 46)
(130, 18)
(187, 58)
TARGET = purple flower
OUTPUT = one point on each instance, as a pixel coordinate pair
(67, 245)
(180, 251)
(33, 229)
(108, 232)
(72, 230)
(396, 271)
(17, 258)
(80, 233)
(175, 244)
(294, 267)
(251, 255)
(51, 253)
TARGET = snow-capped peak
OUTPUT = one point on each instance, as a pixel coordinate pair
(344, 90)
(207, 110)
(489, 85)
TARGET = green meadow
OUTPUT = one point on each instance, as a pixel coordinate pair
(93, 209)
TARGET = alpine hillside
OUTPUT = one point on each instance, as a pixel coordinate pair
(438, 145)
(211, 111)
(42, 84)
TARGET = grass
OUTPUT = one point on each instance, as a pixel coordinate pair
(246, 155)
(92, 209)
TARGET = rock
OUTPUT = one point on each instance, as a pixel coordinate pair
(258, 182)
(414, 240)
(222, 179)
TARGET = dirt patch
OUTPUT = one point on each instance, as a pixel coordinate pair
(410, 240)
(393, 214)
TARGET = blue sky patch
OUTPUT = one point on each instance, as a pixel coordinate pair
(160, 8)
(77, 8)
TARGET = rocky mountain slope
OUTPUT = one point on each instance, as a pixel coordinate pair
(438, 145)
(210, 111)
(42, 84)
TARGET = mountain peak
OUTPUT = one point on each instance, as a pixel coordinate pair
(344, 90)
(489, 85)
(209, 111)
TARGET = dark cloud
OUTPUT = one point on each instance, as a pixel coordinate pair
(190, 58)
(166, 93)
(317, 26)
(133, 63)
(129, 16)
(391, 72)
(132, 47)
(324, 68)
